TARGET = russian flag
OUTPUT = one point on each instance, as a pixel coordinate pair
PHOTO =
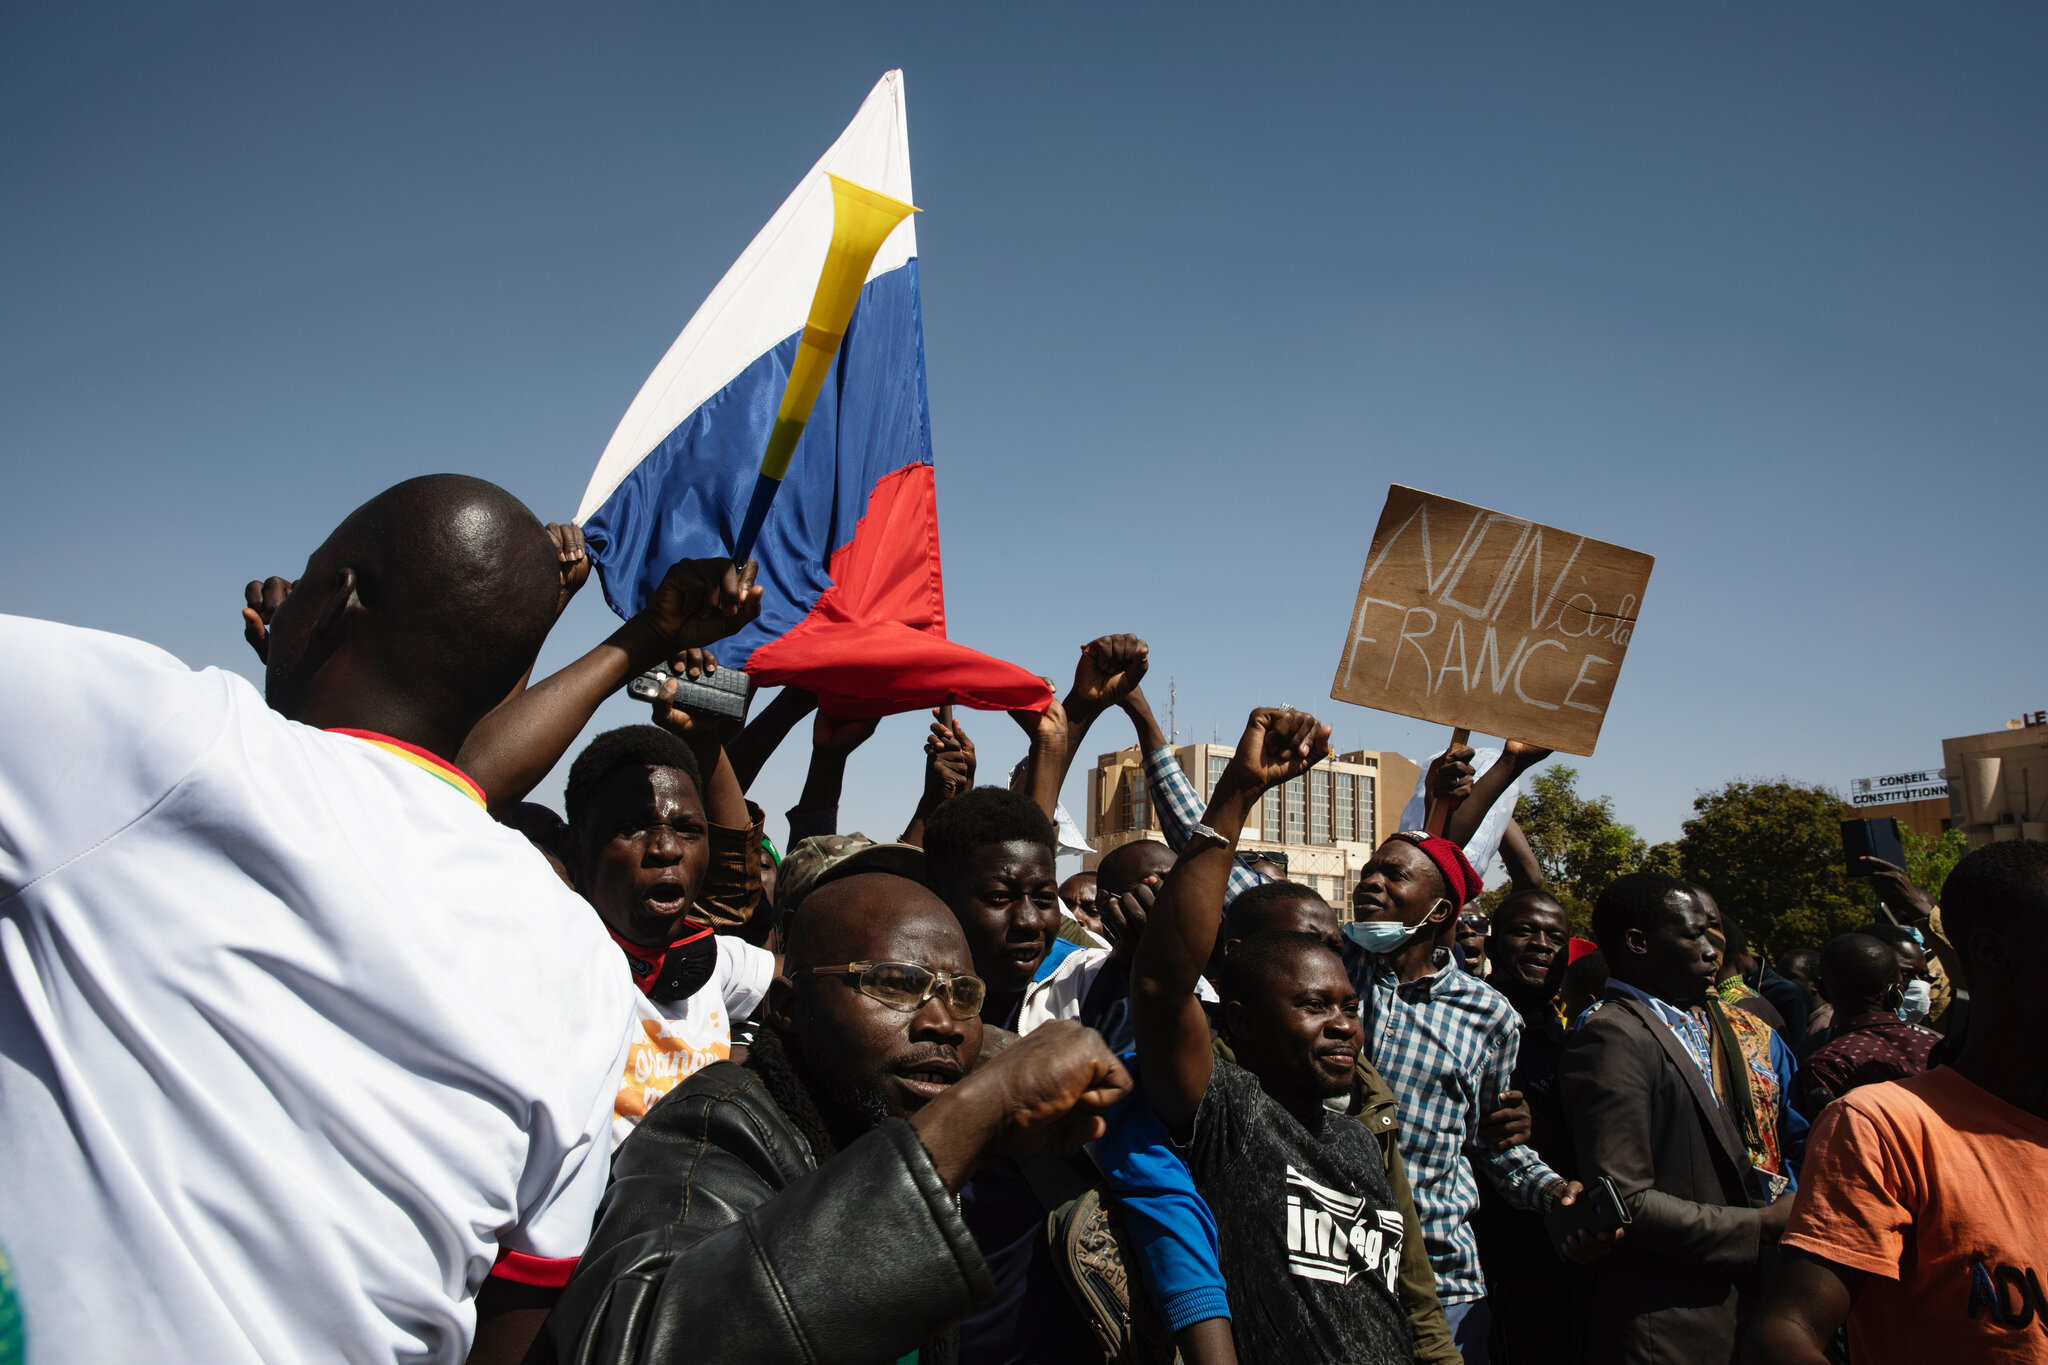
(853, 606)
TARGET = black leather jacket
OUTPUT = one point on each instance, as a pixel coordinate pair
(722, 1242)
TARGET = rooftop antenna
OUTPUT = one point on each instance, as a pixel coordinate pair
(1172, 696)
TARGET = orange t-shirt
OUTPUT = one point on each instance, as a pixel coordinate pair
(1938, 1189)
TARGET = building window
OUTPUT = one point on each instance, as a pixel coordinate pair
(1294, 796)
(1217, 763)
(1347, 807)
(1136, 816)
(1368, 816)
(1271, 829)
(1319, 806)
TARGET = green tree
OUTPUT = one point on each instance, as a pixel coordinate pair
(1577, 840)
(1929, 861)
(1771, 853)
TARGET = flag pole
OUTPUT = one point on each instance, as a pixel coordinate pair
(862, 220)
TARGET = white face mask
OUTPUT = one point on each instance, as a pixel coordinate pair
(1919, 999)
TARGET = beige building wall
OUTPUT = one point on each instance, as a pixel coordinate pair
(1927, 817)
(1998, 783)
(1327, 821)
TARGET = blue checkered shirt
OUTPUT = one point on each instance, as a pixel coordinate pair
(1447, 1045)
(1180, 809)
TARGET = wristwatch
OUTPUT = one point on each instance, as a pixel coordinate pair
(1200, 835)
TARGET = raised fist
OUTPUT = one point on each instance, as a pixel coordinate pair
(1109, 668)
(1049, 1091)
(263, 598)
(1276, 746)
(1450, 774)
(700, 601)
(571, 558)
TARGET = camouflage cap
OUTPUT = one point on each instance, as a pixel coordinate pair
(826, 857)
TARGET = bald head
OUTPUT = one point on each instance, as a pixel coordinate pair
(1125, 866)
(422, 609)
(875, 917)
(864, 1059)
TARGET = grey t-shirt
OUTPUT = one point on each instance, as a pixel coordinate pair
(1310, 1234)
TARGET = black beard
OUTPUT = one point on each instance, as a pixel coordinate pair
(829, 1113)
(849, 1111)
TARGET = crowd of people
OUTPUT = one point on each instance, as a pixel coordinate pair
(318, 1040)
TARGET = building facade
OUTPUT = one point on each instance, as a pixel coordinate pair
(1326, 822)
(1998, 782)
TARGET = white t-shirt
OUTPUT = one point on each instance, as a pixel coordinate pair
(1484, 845)
(295, 1041)
(675, 1039)
(1065, 989)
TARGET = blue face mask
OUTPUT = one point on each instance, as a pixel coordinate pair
(1382, 936)
(1919, 999)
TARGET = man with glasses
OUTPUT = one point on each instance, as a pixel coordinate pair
(857, 1119)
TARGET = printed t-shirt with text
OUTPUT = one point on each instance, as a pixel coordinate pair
(672, 1040)
(1309, 1234)
(1938, 1190)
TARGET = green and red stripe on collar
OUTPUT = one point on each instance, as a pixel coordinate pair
(421, 759)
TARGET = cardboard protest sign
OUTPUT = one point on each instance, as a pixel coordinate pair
(1474, 618)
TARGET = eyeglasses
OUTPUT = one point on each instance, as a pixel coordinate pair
(906, 986)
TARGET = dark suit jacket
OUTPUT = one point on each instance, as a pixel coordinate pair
(1642, 1115)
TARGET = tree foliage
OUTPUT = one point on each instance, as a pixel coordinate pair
(1771, 853)
(1577, 840)
(1929, 861)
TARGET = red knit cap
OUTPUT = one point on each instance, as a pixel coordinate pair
(1461, 883)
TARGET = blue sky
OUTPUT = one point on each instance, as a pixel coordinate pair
(1761, 290)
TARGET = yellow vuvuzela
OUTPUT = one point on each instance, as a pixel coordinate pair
(862, 220)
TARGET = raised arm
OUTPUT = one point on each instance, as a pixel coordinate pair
(1150, 736)
(1524, 871)
(948, 771)
(1108, 669)
(1489, 787)
(751, 747)
(1908, 904)
(817, 806)
(1172, 792)
(697, 602)
(1044, 766)
(1173, 1033)
(724, 803)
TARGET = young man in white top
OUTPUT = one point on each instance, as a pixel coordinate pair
(279, 1076)
(638, 846)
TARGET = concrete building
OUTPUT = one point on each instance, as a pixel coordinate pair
(1327, 821)
(1998, 783)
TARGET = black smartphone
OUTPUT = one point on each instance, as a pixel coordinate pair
(1597, 1209)
(719, 693)
(1871, 839)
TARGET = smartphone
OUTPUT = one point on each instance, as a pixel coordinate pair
(1597, 1209)
(719, 693)
(1871, 839)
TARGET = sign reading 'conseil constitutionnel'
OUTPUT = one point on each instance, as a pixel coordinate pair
(1473, 618)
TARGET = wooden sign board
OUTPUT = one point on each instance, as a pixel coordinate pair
(1470, 617)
